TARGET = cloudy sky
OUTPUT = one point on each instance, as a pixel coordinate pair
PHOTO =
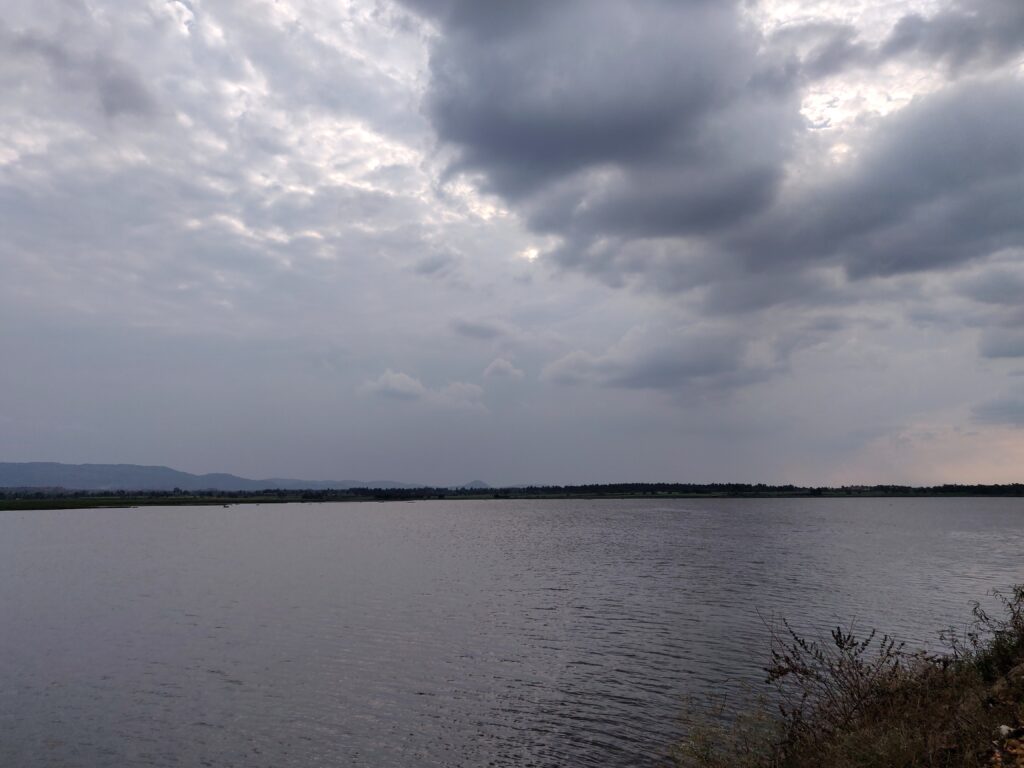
(572, 241)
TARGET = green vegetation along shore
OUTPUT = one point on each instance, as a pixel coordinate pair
(868, 702)
(60, 498)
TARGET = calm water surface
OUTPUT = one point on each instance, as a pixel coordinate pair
(463, 633)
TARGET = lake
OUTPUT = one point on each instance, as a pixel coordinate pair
(437, 633)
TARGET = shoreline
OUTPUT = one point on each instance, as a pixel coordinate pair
(31, 499)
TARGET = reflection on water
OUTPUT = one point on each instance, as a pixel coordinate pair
(444, 633)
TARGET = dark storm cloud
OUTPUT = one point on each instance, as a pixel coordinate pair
(747, 293)
(675, 360)
(984, 32)
(939, 183)
(963, 37)
(818, 49)
(654, 142)
(607, 119)
(613, 125)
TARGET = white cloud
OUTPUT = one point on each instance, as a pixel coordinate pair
(502, 368)
(395, 385)
(456, 395)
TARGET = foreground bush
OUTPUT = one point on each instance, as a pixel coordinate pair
(867, 701)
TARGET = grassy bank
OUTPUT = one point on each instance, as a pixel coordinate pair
(868, 701)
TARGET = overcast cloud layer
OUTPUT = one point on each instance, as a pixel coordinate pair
(439, 240)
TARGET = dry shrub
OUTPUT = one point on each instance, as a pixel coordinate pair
(859, 702)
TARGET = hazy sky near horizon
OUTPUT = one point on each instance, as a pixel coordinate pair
(573, 241)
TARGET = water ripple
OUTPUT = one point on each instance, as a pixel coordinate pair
(503, 633)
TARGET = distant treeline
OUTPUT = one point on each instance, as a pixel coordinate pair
(42, 498)
(762, 489)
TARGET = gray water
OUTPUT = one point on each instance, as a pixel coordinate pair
(462, 633)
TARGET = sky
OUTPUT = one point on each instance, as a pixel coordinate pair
(578, 241)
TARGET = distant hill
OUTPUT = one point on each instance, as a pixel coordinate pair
(135, 477)
(476, 485)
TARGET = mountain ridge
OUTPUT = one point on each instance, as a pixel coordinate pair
(146, 477)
